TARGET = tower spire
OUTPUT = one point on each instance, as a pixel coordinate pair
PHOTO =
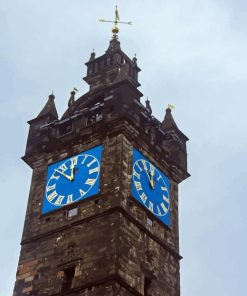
(49, 108)
(115, 29)
(168, 121)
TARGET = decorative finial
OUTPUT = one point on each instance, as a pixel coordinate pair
(49, 108)
(169, 106)
(148, 107)
(52, 97)
(92, 56)
(72, 97)
(115, 29)
(168, 122)
(134, 59)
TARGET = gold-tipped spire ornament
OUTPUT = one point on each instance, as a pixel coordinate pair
(115, 29)
(170, 106)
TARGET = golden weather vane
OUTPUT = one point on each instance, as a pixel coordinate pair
(115, 29)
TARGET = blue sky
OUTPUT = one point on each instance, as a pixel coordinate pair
(192, 55)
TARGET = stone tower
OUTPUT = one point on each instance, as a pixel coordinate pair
(102, 214)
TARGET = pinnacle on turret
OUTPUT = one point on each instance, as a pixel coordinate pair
(71, 99)
(148, 106)
(168, 121)
(49, 108)
(134, 60)
(92, 56)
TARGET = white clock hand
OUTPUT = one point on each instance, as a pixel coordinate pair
(150, 180)
(63, 174)
(152, 176)
(72, 172)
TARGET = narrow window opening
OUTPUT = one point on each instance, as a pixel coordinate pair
(135, 75)
(147, 284)
(149, 222)
(69, 274)
(65, 128)
(90, 69)
(96, 67)
(72, 212)
(95, 118)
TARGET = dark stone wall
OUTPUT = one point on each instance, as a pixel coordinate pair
(90, 247)
(112, 235)
(114, 245)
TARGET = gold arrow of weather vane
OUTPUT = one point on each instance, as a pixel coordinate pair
(115, 29)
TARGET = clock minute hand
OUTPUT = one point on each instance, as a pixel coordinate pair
(63, 174)
(150, 181)
(147, 174)
(152, 177)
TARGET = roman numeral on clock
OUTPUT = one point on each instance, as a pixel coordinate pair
(91, 162)
(49, 188)
(159, 212)
(136, 175)
(90, 182)
(143, 197)
(85, 157)
(137, 164)
(151, 206)
(165, 209)
(138, 185)
(165, 198)
(163, 188)
(63, 167)
(94, 170)
(51, 196)
(59, 200)
(70, 198)
(82, 192)
(55, 177)
(144, 164)
(74, 160)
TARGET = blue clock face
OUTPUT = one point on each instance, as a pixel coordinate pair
(72, 179)
(151, 187)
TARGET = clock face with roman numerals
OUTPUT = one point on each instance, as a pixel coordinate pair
(72, 179)
(151, 187)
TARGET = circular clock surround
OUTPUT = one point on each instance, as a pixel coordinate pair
(151, 187)
(72, 179)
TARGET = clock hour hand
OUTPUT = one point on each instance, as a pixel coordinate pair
(72, 168)
(66, 176)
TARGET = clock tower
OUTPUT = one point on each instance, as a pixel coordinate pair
(102, 214)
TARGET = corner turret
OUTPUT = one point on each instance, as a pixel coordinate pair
(40, 133)
(175, 140)
(49, 109)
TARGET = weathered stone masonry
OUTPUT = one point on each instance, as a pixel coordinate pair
(114, 245)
